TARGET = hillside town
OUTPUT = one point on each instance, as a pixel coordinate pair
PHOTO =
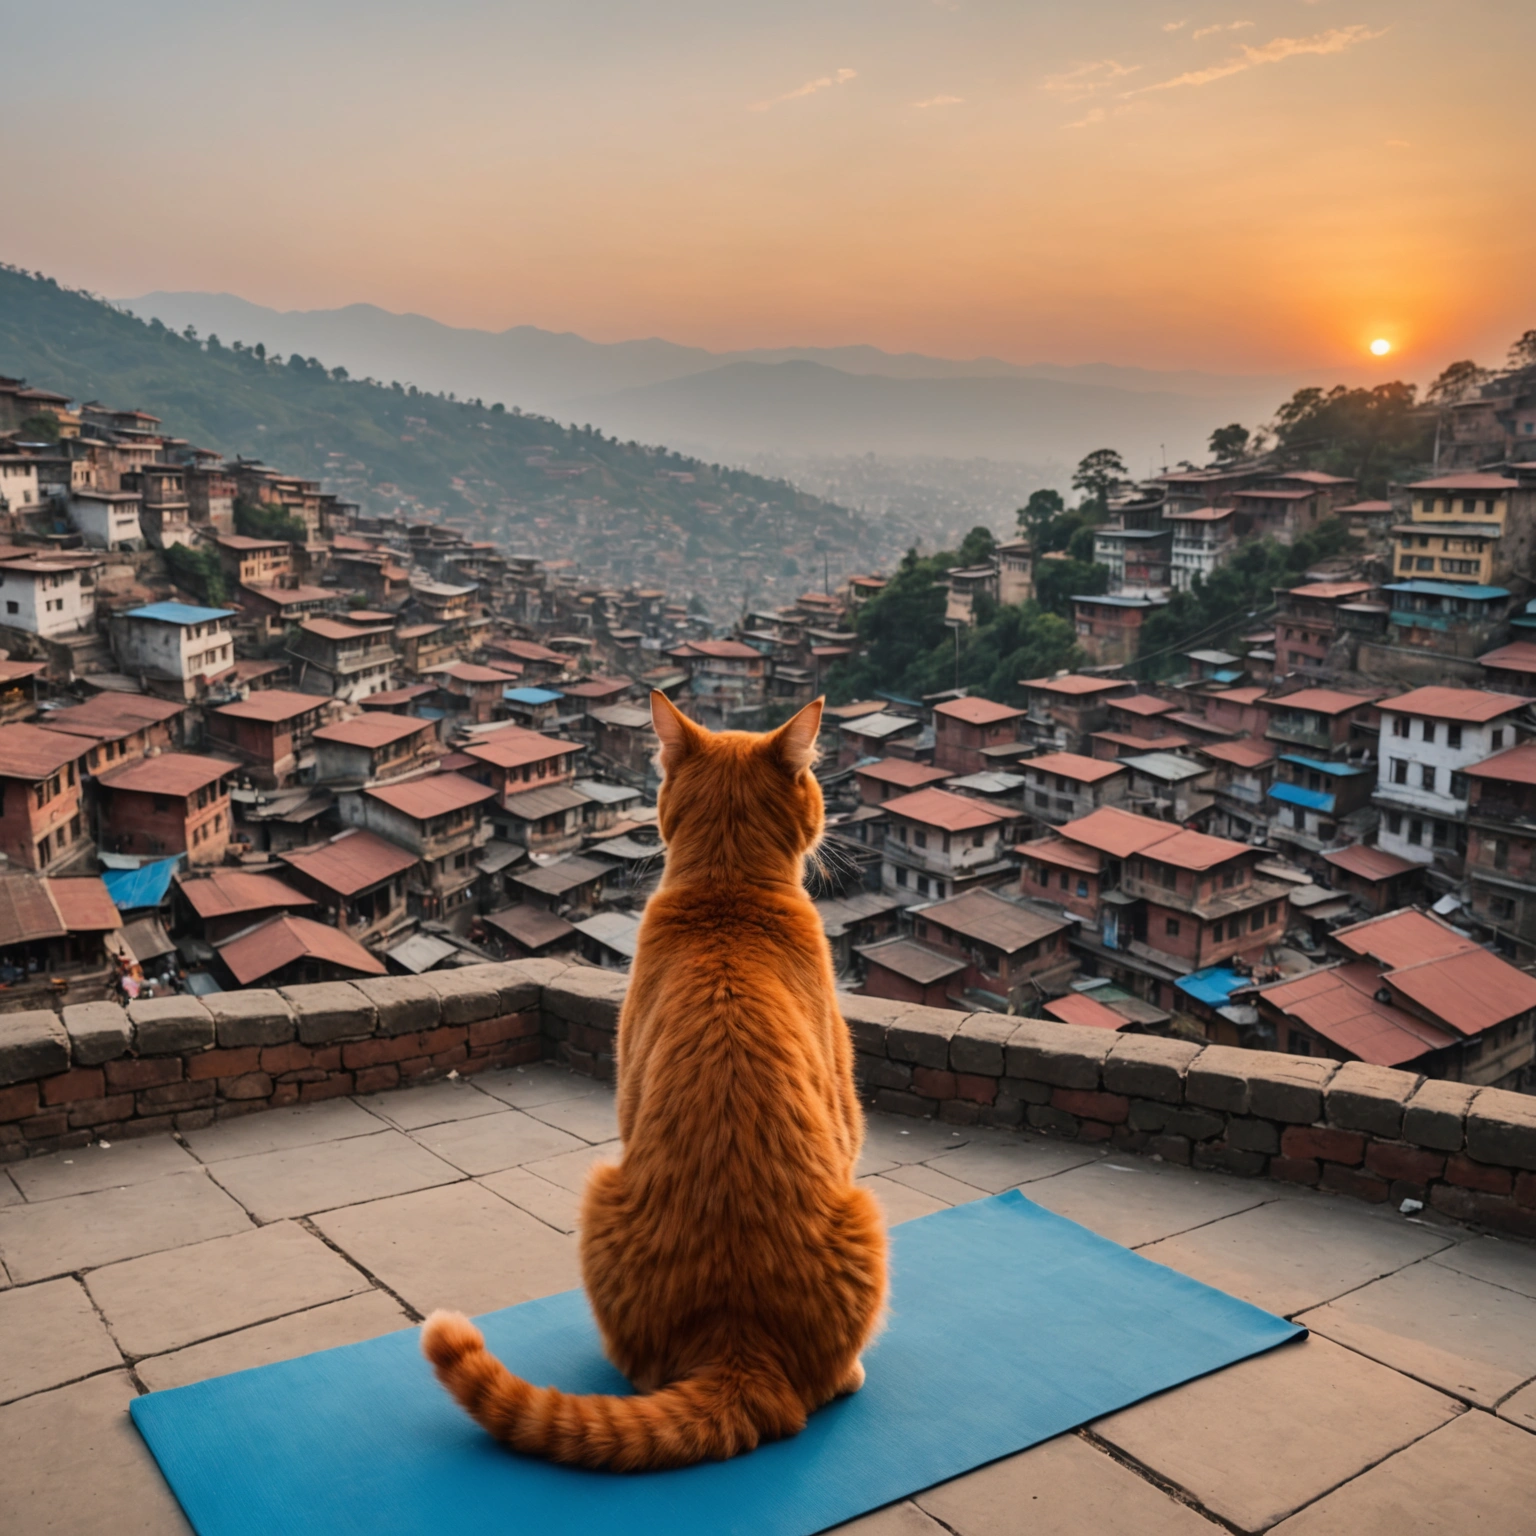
(253, 736)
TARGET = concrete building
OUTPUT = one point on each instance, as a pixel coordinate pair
(175, 648)
(346, 661)
(1062, 713)
(107, 520)
(1204, 539)
(51, 594)
(1064, 785)
(119, 727)
(1323, 721)
(938, 844)
(1308, 624)
(1501, 848)
(1109, 626)
(373, 747)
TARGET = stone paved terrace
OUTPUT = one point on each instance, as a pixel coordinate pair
(158, 1261)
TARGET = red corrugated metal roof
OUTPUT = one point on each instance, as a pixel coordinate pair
(1116, 832)
(83, 904)
(1194, 850)
(1142, 704)
(939, 808)
(1470, 705)
(439, 795)
(281, 940)
(171, 773)
(1369, 863)
(273, 705)
(223, 892)
(1520, 656)
(29, 752)
(897, 770)
(1517, 766)
(513, 747)
(1074, 684)
(351, 861)
(111, 716)
(1403, 938)
(1472, 991)
(373, 730)
(1241, 754)
(1340, 1005)
(1072, 765)
(1322, 701)
(1056, 850)
(977, 711)
(1077, 1008)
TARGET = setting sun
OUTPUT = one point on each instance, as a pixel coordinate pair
(1380, 347)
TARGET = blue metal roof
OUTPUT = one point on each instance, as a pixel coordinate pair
(1338, 770)
(531, 695)
(1294, 794)
(1225, 677)
(1214, 985)
(1448, 589)
(142, 887)
(180, 613)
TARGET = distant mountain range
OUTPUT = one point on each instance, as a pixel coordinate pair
(840, 400)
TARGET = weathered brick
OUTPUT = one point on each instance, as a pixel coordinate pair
(379, 1051)
(585, 1037)
(1496, 1211)
(196, 1119)
(466, 995)
(52, 1122)
(80, 1083)
(586, 995)
(223, 1063)
(1148, 1067)
(1355, 1182)
(1148, 1115)
(868, 1019)
(1366, 1098)
(1045, 1117)
(1253, 1135)
(118, 1106)
(1525, 1189)
(975, 1087)
(455, 1055)
(933, 1082)
(1063, 1055)
(1228, 1159)
(175, 1096)
(894, 1102)
(1501, 1128)
(922, 1036)
(1109, 1108)
(1295, 1170)
(282, 1094)
(169, 1026)
(324, 1011)
(1436, 1115)
(375, 1079)
(32, 1044)
(889, 1074)
(1463, 1172)
(336, 1086)
(1005, 1110)
(1288, 1087)
(133, 1074)
(505, 1026)
(249, 1085)
(18, 1102)
(97, 1032)
(1218, 1078)
(257, 1016)
(978, 1046)
(1413, 1164)
(1197, 1124)
(1323, 1142)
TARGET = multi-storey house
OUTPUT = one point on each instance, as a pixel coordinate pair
(1501, 848)
(173, 803)
(938, 844)
(964, 728)
(43, 825)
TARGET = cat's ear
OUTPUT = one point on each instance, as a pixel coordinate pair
(795, 741)
(677, 734)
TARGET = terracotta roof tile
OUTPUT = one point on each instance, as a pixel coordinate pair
(351, 861)
(939, 808)
(1471, 705)
(171, 773)
(439, 795)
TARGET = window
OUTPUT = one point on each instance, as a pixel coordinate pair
(1082, 887)
(1453, 735)
(1416, 831)
(1427, 729)
(919, 839)
(1217, 933)
(1496, 741)
(1171, 927)
(1297, 1043)
(1399, 725)
(1228, 879)
(901, 875)
(1427, 775)
(1274, 911)
(1399, 770)
(13, 607)
(1442, 833)
(1043, 801)
(1459, 786)
(1394, 823)
(978, 838)
(1062, 880)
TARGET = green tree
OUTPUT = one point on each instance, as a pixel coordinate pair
(976, 548)
(42, 428)
(1228, 444)
(1371, 435)
(1455, 383)
(1057, 582)
(198, 570)
(256, 520)
(1098, 476)
(1522, 352)
(1039, 511)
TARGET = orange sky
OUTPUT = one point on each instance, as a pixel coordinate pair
(1243, 188)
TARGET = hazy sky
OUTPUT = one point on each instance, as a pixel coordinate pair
(1213, 183)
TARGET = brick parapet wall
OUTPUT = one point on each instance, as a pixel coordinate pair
(103, 1071)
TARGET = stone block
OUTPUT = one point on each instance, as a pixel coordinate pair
(32, 1044)
(1460, 1170)
(1252, 1135)
(1146, 1067)
(522, 982)
(1288, 1087)
(978, 1046)
(169, 1026)
(259, 1016)
(1147, 1115)
(18, 1102)
(1501, 1128)
(933, 1082)
(402, 1003)
(869, 1020)
(324, 1011)
(128, 1076)
(1413, 1164)
(976, 1087)
(467, 995)
(1045, 1117)
(894, 1102)
(1497, 1211)
(1172, 1149)
(1064, 1055)
(1324, 1143)
(922, 1036)
(1355, 1182)
(1229, 1160)
(1196, 1124)
(1436, 1115)
(1366, 1098)
(97, 1032)
(1108, 1108)
(881, 1073)
(1218, 1078)
(582, 994)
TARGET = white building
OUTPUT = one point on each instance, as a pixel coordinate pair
(18, 483)
(51, 596)
(1202, 540)
(175, 642)
(1429, 738)
(107, 519)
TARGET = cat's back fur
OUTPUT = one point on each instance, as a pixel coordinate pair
(734, 1267)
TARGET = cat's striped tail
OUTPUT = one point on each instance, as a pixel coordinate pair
(720, 1412)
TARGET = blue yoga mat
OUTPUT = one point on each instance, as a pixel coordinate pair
(1008, 1325)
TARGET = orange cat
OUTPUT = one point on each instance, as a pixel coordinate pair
(734, 1267)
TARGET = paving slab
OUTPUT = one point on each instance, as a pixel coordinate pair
(1292, 1254)
(460, 1246)
(409, 1109)
(301, 1333)
(1496, 1260)
(931, 1180)
(898, 1139)
(275, 1130)
(83, 1169)
(1257, 1441)
(594, 1117)
(1521, 1408)
(490, 1143)
(166, 1301)
(904, 1519)
(50, 1334)
(553, 1204)
(537, 1083)
(9, 1194)
(1065, 1487)
(1134, 1201)
(901, 1202)
(1004, 1162)
(302, 1180)
(75, 1465)
(569, 1169)
(1477, 1474)
(1471, 1339)
(85, 1231)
